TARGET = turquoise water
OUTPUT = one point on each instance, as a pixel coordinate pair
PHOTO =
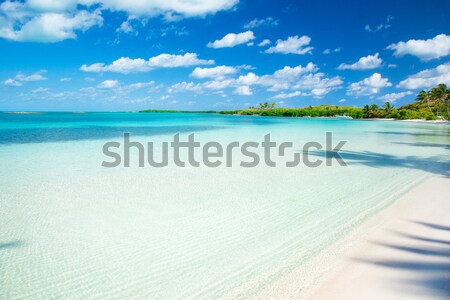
(72, 229)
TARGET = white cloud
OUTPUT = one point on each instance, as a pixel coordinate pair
(392, 97)
(368, 86)
(427, 78)
(380, 26)
(288, 95)
(243, 90)
(289, 73)
(269, 21)
(232, 39)
(127, 65)
(12, 82)
(108, 84)
(52, 5)
(318, 83)
(342, 100)
(47, 27)
(138, 85)
(218, 72)
(172, 9)
(65, 79)
(184, 86)
(293, 45)
(175, 30)
(173, 61)
(51, 21)
(297, 78)
(264, 42)
(38, 76)
(20, 77)
(127, 27)
(40, 90)
(364, 63)
(328, 51)
(426, 50)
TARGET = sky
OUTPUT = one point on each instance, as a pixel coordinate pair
(117, 55)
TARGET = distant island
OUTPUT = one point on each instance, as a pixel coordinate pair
(429, 105)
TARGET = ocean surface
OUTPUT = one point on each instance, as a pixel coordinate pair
(72, 229)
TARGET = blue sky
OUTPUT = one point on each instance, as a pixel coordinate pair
(107, 55)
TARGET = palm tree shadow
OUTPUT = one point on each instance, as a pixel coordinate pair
(12, 244)
(433, 164)
(428, 133)
(433, 226)
(423, 144)
(430, 276)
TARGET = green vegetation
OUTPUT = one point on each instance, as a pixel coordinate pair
(178, 111)
(429, 105)
(311, 111)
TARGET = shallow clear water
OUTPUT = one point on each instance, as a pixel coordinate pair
(70, 228)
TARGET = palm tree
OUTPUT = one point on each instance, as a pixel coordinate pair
(440, 94)
(366, 110)
(264, 105)
(447, 101)
(424, 96)
(387, 107)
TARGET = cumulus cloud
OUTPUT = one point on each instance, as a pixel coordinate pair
(364, 63)
(218, 72)
(264, 42)
(243, 90)
(368, 86)
(12, 82)
(288, 95)
(51, 21)
(108, 84)
(127, 26)
(426, 50)
(298, 78)
(392, 97)
(20, 78)
(427, 78)
(232, 39)
(19, 23)
(169, 9)
(38, 76)
(269, 21)
(184, 86)
(127, 65)
(293, 45)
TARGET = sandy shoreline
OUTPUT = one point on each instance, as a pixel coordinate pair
(404, 254)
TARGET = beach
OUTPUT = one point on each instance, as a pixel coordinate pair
(404, 252)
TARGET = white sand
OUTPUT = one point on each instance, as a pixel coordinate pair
(404, 255)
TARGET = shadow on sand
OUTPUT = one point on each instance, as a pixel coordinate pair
(432, 277)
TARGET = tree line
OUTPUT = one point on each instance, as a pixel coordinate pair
(430, 105)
